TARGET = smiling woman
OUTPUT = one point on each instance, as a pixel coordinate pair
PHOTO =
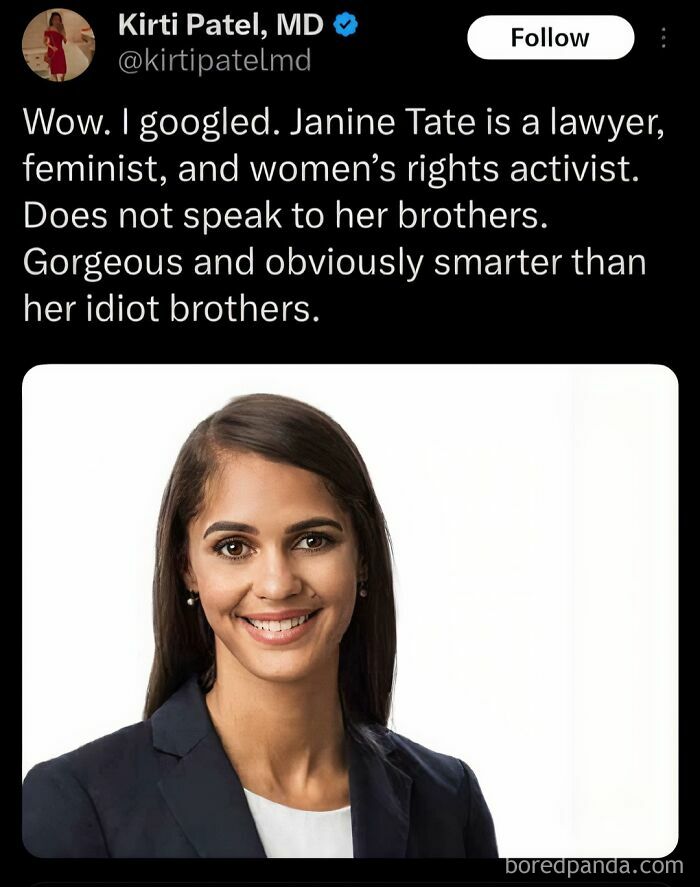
(265, 725)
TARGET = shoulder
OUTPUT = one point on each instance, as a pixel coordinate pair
(62, 796)
(426, 763)
(106, 759)
(101, 756)
(449, 782)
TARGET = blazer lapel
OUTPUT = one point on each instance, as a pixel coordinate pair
(206, 797)
(203, 791)
(380, 798)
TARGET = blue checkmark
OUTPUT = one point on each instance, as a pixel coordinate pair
(345, 24)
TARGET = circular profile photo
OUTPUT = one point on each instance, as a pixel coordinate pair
(58, 44)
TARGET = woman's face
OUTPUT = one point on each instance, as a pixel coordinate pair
(249, 556)
(56, 21)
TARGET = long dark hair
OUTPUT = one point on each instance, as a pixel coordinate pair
(286, 430)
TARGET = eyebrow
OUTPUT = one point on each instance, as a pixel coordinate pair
(293, 528)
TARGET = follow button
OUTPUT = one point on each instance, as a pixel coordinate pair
(556, 37)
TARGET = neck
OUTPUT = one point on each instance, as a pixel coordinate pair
(286, 733)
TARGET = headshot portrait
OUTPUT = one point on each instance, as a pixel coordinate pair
(348, 611)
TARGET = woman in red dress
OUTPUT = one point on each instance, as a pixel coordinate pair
(54, 38)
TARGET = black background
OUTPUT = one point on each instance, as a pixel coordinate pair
(395, 59)
(401, 56)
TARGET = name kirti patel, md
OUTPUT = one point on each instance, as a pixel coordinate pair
(138, 24)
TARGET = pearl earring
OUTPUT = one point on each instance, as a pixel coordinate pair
(363, 588)
(191, 600)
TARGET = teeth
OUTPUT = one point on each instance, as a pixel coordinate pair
(279, 626)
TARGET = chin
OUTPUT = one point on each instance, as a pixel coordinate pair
(285, 673)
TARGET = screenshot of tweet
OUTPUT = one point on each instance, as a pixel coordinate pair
(458, 213)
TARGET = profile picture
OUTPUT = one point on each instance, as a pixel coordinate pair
(58, 44)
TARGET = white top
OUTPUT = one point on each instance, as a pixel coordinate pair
(289, 833)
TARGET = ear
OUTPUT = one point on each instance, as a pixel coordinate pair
(187, 574)
(362, 569)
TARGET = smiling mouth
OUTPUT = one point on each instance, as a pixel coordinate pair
(282, 625)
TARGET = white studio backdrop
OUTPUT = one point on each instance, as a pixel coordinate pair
(533, 511)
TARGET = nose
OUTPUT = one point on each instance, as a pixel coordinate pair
(276, 577)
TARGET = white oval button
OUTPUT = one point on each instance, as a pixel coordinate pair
(550, 37)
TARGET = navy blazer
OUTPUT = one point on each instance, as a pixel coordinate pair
(164, 787)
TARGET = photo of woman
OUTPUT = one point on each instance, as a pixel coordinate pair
(58, 45)
(264, 731)
(327, 617)
(54, 38)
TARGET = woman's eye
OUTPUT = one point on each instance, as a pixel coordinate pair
(232, 548)
(317, 541)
